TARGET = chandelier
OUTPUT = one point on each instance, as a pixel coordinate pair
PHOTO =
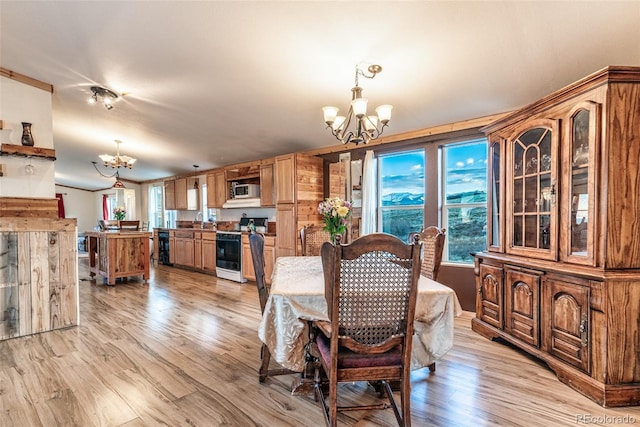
(117, 161)
(365, 128)
(106, 96)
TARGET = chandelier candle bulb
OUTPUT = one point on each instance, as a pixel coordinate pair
(359, 107)
(384, 113)
(330, 114)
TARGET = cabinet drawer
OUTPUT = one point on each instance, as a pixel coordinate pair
(186, 234)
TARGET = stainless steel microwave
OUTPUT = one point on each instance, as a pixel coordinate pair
(245, 191)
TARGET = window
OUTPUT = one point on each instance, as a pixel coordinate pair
(156, 206)
(111, 205)
(464, 211)
(401, 193)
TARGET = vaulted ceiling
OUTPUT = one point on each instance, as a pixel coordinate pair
(220, 82)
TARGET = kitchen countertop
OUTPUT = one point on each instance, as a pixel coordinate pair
(208, 230)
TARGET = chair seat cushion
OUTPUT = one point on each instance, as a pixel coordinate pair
(350, 359)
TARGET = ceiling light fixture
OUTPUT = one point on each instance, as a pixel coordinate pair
(118, 183)
(366, 128)
(195, 176)
(117, 161)
(106, 96)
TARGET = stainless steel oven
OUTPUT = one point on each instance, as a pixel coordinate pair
(229, 255)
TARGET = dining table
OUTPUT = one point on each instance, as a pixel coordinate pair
(297, 297)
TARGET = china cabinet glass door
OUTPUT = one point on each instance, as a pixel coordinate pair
(581, 180)
(496, 217)
(533, 192)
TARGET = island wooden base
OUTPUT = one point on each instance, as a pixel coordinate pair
(116, 255)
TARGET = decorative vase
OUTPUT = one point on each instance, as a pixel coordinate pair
(27, 137)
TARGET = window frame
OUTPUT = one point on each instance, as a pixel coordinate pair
(380, 208)
(444, 207)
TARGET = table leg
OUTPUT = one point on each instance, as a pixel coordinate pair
(305, 382)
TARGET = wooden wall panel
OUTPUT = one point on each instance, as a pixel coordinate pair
(39, 256)
(68, 283)
(28, 208)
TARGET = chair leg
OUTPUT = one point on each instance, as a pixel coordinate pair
(265, 356)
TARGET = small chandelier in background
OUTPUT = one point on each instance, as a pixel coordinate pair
(118, 183)
(117, 161)
(196, 185)
(365, 128)
(106, 96)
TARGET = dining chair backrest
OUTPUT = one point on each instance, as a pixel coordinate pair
(375, 278)
(371, 287)
(432, 239)
(129, 225)
(256, 244)
(109, 224)
(312, 237)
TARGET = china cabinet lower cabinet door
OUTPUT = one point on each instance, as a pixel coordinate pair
(522, 296)
(489, 298)
(565, 323)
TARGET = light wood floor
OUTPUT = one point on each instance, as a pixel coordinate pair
(183, 350)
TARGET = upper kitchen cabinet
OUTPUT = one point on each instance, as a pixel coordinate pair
(170, 195)
(181, 194)
(267, 185)
(561, 274)
(217, 189)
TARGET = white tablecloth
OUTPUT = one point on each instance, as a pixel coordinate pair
(297, 295)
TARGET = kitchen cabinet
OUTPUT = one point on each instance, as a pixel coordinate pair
(561, 274)
(267, 185)
(172, 247)
(197, 250)
(217, 189)
(269, 258)
(170, 195)
(180, 194)
(248, 271)
(299, 190)
(209, 251)
(180, 188)
(38, 275)
(184, 248)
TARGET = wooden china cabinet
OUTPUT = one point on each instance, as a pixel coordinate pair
(561, 274)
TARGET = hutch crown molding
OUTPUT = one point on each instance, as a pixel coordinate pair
(561, 274)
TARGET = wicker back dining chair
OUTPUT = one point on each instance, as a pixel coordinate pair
(256, 244)
(312, 237)
(371, 290)
(432, 239)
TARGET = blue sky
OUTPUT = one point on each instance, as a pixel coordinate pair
(466, 166)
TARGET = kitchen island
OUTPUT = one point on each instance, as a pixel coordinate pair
(117, 254)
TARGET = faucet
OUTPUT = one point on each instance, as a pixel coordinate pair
(198, 215)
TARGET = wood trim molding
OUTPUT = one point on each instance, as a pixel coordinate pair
(406, 136)
(26, 79)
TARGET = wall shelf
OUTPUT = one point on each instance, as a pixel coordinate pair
(26, 151)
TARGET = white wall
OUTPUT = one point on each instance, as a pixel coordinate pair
(23, 103)
(79, 204)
